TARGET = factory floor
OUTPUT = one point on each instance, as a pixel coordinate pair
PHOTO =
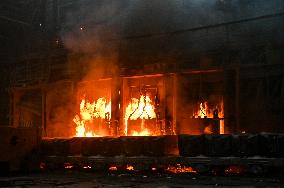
(113, 180)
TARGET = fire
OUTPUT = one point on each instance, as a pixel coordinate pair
(208, 130)
(141, 108)
(144, 132)
(68, 166)
(205, 112)
(42, 165)
(112, 168)
(129, 168)
(87, 167)
(178, 168)
(99, 109)
(234, 170)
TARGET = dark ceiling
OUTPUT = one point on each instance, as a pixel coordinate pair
(20, 20)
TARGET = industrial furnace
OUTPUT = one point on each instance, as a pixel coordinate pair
(148, 105)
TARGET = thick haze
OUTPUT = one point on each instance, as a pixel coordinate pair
(90, 26)
(114, 33)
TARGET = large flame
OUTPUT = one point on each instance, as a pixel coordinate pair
(203, 111)
(141, 108)
(99, 109)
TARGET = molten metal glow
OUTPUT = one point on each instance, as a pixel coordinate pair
(141, 108)
(88, 112)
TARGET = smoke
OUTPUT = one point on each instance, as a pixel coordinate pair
(116, 33)
(103, 27)
(90, 26)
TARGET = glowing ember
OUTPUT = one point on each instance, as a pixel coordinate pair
(42, 165)
(141, 108)
(221, 115)
(68, 166)
(222, 127)
(234, 170)
(88, 113)
(87, 167)
(113, 168)
(129, 167)
(180, 169)
(208, 130)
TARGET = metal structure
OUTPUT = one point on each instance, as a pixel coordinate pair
(238, 62)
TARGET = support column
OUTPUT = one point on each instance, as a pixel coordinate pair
(237, 89)
(42, 129)
(170, 125)
(11, 109)
(116, 105)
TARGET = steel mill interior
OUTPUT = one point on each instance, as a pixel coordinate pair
(111, 89)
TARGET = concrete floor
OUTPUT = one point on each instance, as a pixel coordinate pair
(96, 180)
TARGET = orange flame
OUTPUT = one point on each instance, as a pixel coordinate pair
(144, 132)
(178, 168)
(129, 167)
(68, 166)
(234, 170)
(141, 108)
(112, 168)
(205, 112)
(88, 112)
(87, 167)
(42, 165)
